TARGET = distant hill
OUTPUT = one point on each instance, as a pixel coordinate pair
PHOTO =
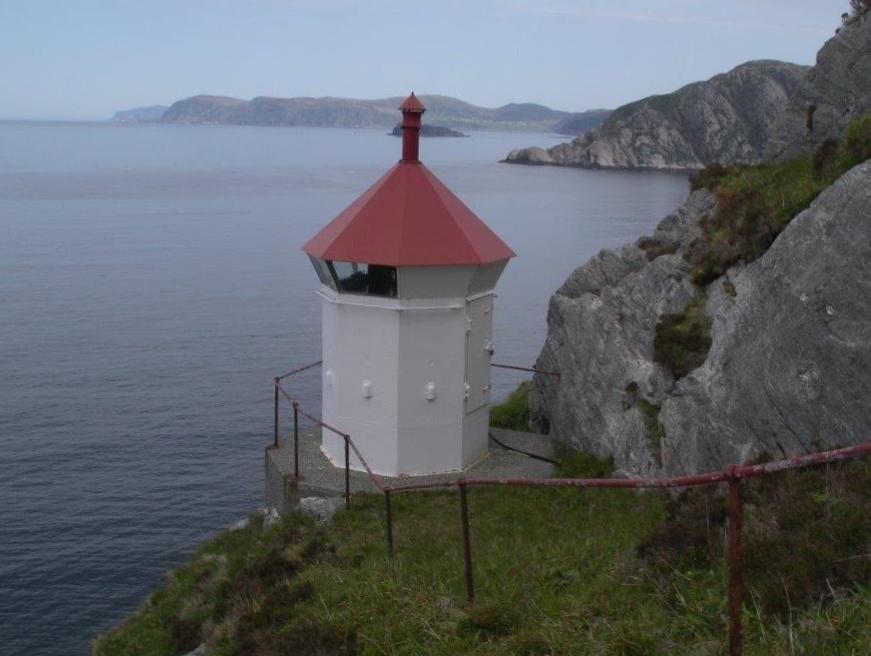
(140, 114)
(582, 122)
(355, 113)
(725, 120)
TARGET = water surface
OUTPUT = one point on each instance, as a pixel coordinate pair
(151, 284)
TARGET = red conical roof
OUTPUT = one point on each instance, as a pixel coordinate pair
(408, 218)
(412, 104)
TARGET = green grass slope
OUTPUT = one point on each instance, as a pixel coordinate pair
(557, 571)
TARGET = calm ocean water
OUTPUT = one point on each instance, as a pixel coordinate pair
(151, 284)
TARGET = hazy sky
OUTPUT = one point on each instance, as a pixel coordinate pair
(86, 59)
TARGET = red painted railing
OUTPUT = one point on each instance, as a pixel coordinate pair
(732, 475)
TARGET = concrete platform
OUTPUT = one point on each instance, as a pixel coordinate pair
(318, 477)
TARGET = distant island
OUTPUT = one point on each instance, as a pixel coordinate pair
(151, 114)
(442, 111)
(427, 130)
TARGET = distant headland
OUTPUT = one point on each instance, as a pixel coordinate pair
(443, 111)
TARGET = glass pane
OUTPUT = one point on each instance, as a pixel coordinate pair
(382, 280)
(370, 279)
(352, 277)
(323, 272)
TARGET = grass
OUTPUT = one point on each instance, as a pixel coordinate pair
(513, 413)
(682, 341)
(755, 203)
(557, 571)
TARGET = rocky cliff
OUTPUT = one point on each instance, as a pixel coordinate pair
(356, 113)
(790, 344)
(835, 91)
(726, 119)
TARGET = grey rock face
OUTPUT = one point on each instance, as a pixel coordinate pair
(788, 368)
(838, 88)
(727, 119)
(199, 651)
(321, 509)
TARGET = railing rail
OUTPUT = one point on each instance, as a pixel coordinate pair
(732, 475)
(554, 374)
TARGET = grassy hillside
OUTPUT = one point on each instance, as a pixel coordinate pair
(603, 572)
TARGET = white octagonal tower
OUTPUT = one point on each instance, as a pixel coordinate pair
(407, 277)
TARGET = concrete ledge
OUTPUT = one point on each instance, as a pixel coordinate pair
(319, 478)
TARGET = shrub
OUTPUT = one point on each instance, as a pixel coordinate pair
(858, 141)
(513, 413)
(709, 177)
(858, 8)
(653, 248)
(805, 535)
(682, 341)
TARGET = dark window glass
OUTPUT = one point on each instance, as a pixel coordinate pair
(370, 279)
(323, 271)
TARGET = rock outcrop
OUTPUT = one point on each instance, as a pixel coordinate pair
(836, 91)
(787, 371)
(727, 119)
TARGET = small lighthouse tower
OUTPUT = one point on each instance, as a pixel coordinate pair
(407, 276)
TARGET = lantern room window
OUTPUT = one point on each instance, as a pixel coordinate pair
(323, 270)
(357, 277)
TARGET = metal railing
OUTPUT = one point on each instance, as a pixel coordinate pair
(732, 475)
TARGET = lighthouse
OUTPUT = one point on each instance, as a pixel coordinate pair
(407, 276)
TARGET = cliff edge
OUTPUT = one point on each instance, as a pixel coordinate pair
(836, 91)
(727, 119)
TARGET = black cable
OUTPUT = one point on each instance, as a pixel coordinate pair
(526, 453)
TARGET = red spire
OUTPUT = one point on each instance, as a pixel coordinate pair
(412, 111)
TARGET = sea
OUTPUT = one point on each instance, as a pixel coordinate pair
(152, 284)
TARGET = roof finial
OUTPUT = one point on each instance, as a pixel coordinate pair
(412, 110)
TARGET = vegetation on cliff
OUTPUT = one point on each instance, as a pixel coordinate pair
(513, 412)
(558, 571)
(682, 340)
(755, 203)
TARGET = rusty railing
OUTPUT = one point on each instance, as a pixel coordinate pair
(732, 475)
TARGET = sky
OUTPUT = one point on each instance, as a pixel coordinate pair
(87, 59)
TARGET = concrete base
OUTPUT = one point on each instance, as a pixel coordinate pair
(319, 478)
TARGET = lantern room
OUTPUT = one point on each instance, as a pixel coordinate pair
(407, 276)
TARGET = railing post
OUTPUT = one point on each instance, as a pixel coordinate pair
(296, 440)
(389, 516)
(467, 543)
(276, 380)
(736, 583)
(347, 475)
